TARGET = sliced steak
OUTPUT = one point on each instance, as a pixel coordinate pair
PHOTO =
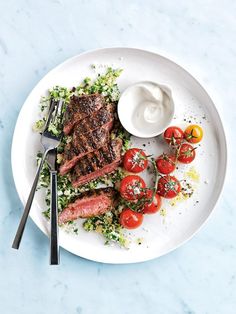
(97, 164)
(82, 145)
(81, 107)
(89, 204)
(101, 118)
(88, 135)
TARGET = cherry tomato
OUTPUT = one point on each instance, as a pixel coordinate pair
(173, 135)
(168, 186)
(166, 163)
(186, 153)
(154, 206)
(193, 133)
(135, 160)
(131, 187)
(130, 219)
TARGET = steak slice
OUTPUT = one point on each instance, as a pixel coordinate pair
(81, 107)
(104, 117)
(82, 145)
(89, 204)
(98, 163)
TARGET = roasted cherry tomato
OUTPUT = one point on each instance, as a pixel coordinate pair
(168, 186)
(166, 163)
(132, 187)
(130, 219)
(154, 206)
(174, 135)
(193, 133)
(186, 153)
(135, 160)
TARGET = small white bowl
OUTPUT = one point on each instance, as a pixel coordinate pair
(132, 110)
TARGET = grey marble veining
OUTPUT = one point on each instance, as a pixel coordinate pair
(198, 278)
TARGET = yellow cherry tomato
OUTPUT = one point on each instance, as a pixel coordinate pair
(193, 133)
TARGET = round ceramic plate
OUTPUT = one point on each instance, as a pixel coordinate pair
(180, 219)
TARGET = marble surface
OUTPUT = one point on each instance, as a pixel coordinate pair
(199, 277)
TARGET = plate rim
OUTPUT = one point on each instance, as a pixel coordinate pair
(224, 153)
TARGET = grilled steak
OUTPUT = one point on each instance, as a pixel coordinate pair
(98, 163)
(101, 118)
(81, 107)
(82, 145)
(89, 204)
(88, 135)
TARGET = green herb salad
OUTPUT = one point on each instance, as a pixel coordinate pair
(107, 224)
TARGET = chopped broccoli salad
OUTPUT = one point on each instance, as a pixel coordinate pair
(107, 224)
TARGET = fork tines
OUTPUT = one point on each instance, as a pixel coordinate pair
(55, 118)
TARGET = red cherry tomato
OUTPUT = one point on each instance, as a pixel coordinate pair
(154, 206)
(130, 219)
(173, 135)
(166, 163)
(135, 160)
(186, 153)
(132, 187)
(168, 186)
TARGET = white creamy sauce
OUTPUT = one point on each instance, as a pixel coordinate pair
(148, 107)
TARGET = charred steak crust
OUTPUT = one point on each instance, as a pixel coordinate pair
(89, 204)
(107, 157)
(82, 145)
(92, 141)
(81, 107)
(101, 118)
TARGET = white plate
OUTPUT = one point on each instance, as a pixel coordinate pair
(160, 234)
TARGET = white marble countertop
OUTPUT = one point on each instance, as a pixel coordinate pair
(199, 277)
